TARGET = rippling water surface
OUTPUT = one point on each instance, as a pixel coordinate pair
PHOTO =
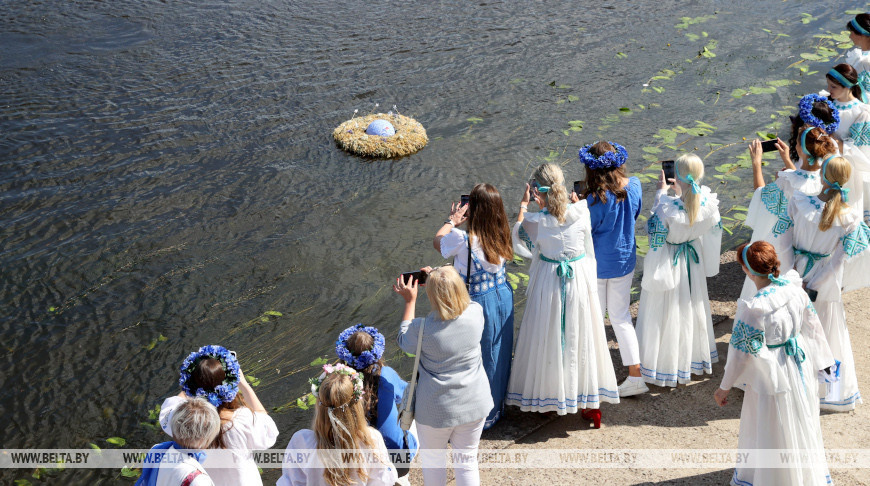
(167, 173)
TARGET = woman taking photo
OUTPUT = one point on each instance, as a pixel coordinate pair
(452, 395)
(562, 362)
(214, 372)
(614, 202)
(339, 428)
(489, 238)
(776, 352)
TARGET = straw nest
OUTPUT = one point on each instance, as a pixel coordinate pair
(409, 138)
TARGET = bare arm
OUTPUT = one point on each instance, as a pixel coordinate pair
(755, 154)
(457, 217)
(249, 395)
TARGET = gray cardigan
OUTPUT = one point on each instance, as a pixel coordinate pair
(453, 388)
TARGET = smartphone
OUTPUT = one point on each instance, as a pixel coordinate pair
(813, 294)
(668, 168)
(533, 186)
(419, 276)
(463, 199)
(579, 187)
(768, 146)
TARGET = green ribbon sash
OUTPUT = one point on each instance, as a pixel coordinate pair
(794, 350)
(812, 258)
(686, 248)
(565, 271)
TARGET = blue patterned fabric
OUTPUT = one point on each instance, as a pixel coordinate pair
(746, 338)
(526, 239)
(857, 241)
(658, 232)
(812, 308)
(777, 204)
(864, 82)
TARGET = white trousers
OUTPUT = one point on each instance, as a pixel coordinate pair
(615, 297)
(464, 439)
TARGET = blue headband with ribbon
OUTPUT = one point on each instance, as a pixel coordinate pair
(840, 78)
(543, 189)
(810, 159)
(696, 189)
(774, 279)
(858, 28)
(834, 185)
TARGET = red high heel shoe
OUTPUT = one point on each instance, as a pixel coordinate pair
(592, 414)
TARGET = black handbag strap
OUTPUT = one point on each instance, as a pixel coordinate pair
(468, 265)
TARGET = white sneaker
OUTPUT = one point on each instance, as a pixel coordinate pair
(630, 388)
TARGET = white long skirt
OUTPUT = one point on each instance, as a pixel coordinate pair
(545, 376)
(843, 395)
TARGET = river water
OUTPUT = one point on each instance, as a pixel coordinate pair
(168, 176)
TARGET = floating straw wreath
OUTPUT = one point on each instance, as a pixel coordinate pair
(410, 136)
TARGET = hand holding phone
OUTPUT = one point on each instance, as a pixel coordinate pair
(533, 188)
(420, 276)
(463, 200)
(670, 174)
(769, 146)
(579, 188)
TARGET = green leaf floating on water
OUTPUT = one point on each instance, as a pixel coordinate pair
(22, 482)
(573, 98)
(302, 404)
(751, 109)
(273, 313)
(130, 473)
(474, 120)
(311, 399)
(252, 380)
(118, 441)
(523, 278)
(319, 362)
(625, 109)
(854, 11)
(94, 446)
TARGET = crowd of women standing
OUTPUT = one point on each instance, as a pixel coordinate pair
(809, 243)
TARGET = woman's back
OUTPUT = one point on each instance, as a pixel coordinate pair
(558, 241)
(613, 225)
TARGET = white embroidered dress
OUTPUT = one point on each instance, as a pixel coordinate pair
(860, 60)
(829, 261)
(768, 215)
(781, 400)
(674, 322)
(854, 130)
(562, 361)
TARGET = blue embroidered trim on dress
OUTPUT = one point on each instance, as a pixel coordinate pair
(747, 339)
(561, 404)
(815, 201)
(696, 367)
(767, 291)
(860, 133)
(845, 107)
(777, 204)
(857, 241)
(526, 239)
(806, 175)
(658, 232)
(812, 308)
(847, 401)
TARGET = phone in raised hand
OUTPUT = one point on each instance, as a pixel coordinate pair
(420, 276)
(668, 168)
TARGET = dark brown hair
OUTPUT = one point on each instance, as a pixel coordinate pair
(863, 20)
(822, 111)
(762, 257)
(209, 374)
(851, 75)
(599, 181)
(357, 343)
(488, 221)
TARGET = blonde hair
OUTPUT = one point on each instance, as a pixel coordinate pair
(835, 170)
(340, 428)
(195, 424)
(447, 293)
(691, 164)
(557, 197)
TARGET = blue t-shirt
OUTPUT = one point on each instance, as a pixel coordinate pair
(390, 391)
(613, 230)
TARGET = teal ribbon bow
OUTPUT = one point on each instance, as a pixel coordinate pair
(794, 350)
(812, 258)
(835, 186)
(696, 189)
(565, 271)
(686, 248)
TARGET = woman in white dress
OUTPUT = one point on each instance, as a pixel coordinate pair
(562, 363)
(830, 243)
(214, 372)
(768, 210)
(339, 428)
(859, 57)
(777, 354)
(854, 131)
(674, 322)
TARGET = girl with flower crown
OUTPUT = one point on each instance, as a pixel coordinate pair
(859, 57)
(213, 372)
(830, 253)
(339, 429)
(489, 241)
(778, 354)
(854, 131)
(362, 348)
(674, 322)
(614, 202)
(768, 210)
(562, 362)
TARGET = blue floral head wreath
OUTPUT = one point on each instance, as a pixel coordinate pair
(774, 279)
(366, 358)
(806, 113)
(835, 186)
(223, 393)
(608, 160)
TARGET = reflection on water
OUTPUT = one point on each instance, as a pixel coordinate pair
(168, 169)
